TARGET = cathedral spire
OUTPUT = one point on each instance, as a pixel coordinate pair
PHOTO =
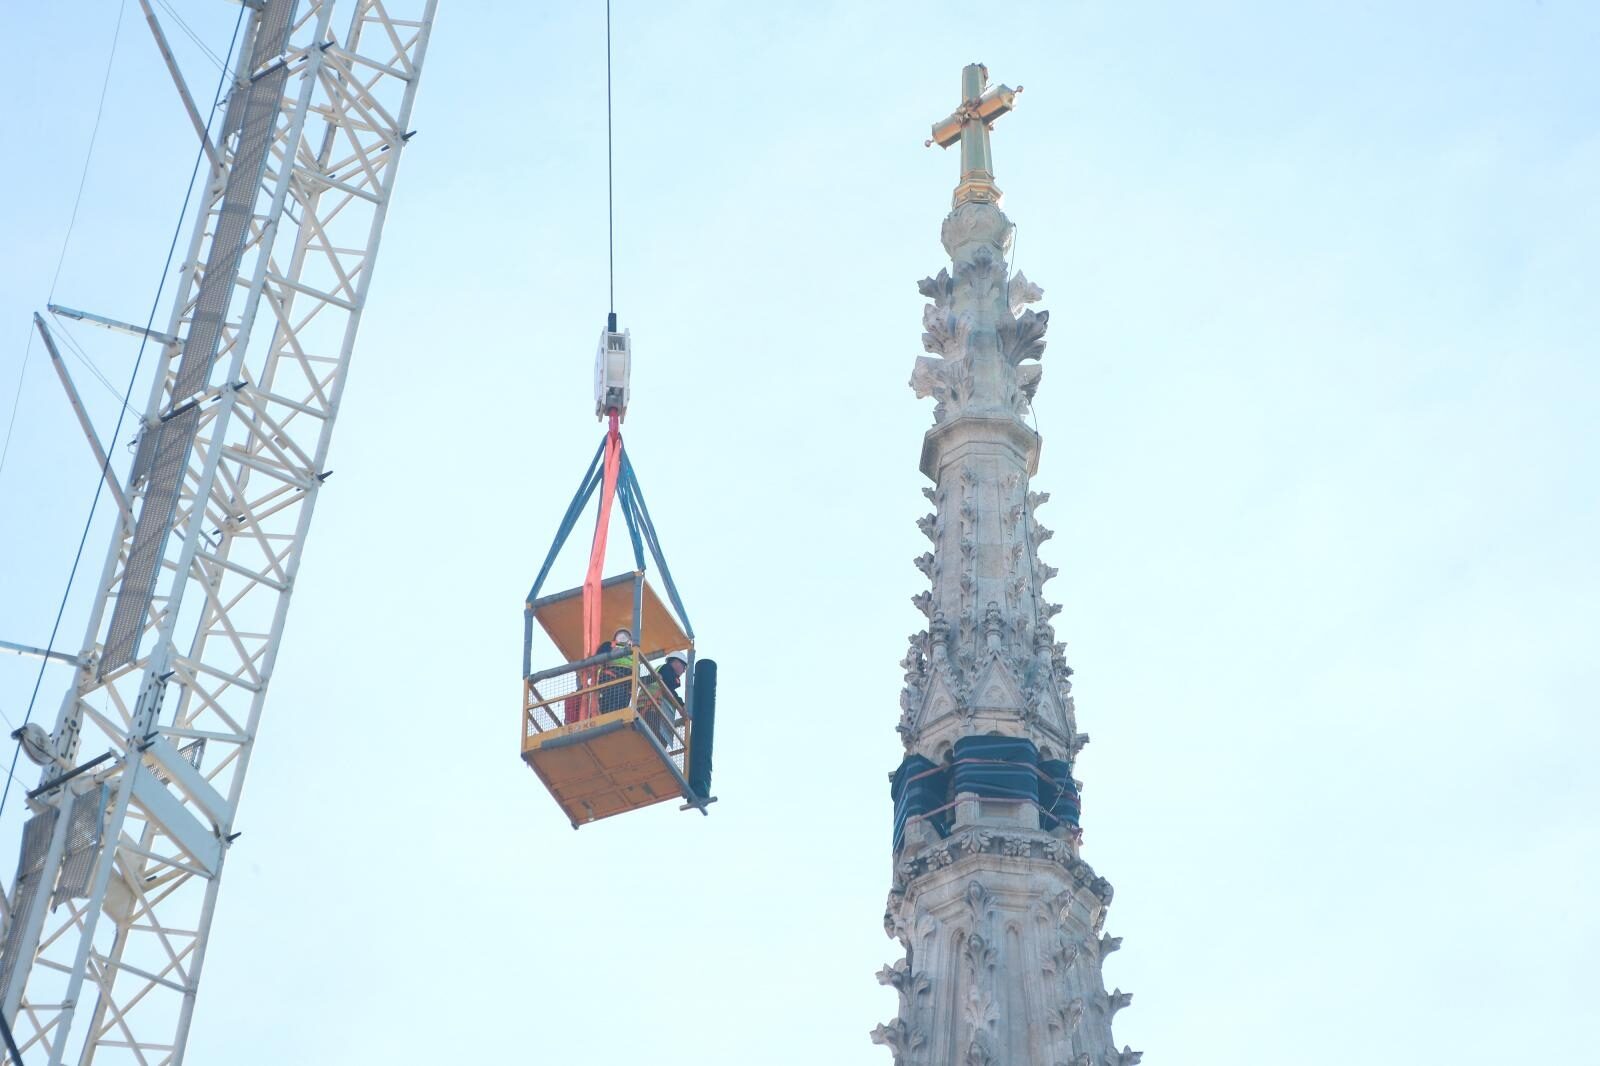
(1000, 918)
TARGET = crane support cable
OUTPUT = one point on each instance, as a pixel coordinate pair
(586, 486)
(597, 547)
(77, 202)
(636, 496)
(630, 515)
(611, 225)
(11, 1042)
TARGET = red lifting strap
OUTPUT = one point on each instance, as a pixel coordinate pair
(597, 550)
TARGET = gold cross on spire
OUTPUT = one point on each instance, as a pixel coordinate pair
(970, 124)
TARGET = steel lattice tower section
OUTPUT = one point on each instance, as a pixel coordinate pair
(107, 921)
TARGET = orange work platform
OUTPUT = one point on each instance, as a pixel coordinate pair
(605, 733)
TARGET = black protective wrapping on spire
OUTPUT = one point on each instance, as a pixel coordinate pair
(996, 768)
(916, 791)
(989, 767)
(1058, 795)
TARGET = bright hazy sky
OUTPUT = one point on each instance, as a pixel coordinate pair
(1319, 418)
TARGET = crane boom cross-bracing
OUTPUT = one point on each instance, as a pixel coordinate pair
(107, 920)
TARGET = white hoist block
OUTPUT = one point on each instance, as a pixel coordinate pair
(611, 365)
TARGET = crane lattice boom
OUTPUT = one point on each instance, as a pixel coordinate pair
(107, 920)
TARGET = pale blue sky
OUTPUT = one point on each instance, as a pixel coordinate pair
(1318, 412)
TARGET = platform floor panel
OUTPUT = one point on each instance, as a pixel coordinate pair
(595, 773)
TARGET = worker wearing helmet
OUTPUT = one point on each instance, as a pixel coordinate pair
(661, 710)
(617, 691)
(673, 669)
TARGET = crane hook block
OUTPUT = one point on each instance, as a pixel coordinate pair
(612, 362)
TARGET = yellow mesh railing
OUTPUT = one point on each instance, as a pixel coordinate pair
(569, 696)
(558, 698)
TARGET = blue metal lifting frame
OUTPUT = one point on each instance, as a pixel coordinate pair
(641, 532)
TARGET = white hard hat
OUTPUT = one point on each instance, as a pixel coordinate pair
(681, 656)
(622, 633)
